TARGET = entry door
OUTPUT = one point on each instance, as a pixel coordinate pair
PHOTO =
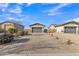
(70, 29)
(37, 30)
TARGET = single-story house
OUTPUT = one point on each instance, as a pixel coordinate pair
(37, 28)
(8, 24)
(69, 27)
(51, 28)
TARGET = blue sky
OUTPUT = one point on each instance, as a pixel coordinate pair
(45, 13)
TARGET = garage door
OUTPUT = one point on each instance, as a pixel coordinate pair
(37, 30)
(70, 29)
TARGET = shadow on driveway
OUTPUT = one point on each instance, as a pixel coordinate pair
(18, 40)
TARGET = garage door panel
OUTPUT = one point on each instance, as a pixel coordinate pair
(70, 29)
(37, 30)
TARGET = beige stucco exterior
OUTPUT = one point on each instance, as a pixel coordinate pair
(61, 28)
(7, 25)
(37, 25)
(58, 29)
(52, 27)
(72, 25)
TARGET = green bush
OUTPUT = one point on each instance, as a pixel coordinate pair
(20, 32)
(11, 30)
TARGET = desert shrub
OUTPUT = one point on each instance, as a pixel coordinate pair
(54, 30)
(51, 30)
(69, 42)
(57, 37)
(5, 38)
(11, 30)
(20, 32)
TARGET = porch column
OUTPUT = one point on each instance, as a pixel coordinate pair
(77, 30)
(42, 30)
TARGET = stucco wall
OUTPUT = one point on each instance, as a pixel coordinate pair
(11, 25)
(7, 25)
(60, 29)
(52, 27)
(30, 31)
(72, 25)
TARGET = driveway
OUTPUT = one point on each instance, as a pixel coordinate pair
(42, 44)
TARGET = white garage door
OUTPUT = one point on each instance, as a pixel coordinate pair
(70, 29)
(37, 30)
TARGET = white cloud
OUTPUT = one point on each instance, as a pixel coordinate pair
(10, 18)
(75, 19)
(20, 3)
(3, 6)
(20, 18)
(17, 10)
(58, 7)
(13, 19)
(54, 11)
(29, 4)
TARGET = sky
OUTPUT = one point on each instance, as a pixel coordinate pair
(44, 13)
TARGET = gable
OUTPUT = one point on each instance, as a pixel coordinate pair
(37, 25)
(8, 24)
(71, 24)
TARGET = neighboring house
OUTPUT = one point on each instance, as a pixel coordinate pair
(69, 27)
(52, 28)
(37, 28)
(60, 28)
(8, 24)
